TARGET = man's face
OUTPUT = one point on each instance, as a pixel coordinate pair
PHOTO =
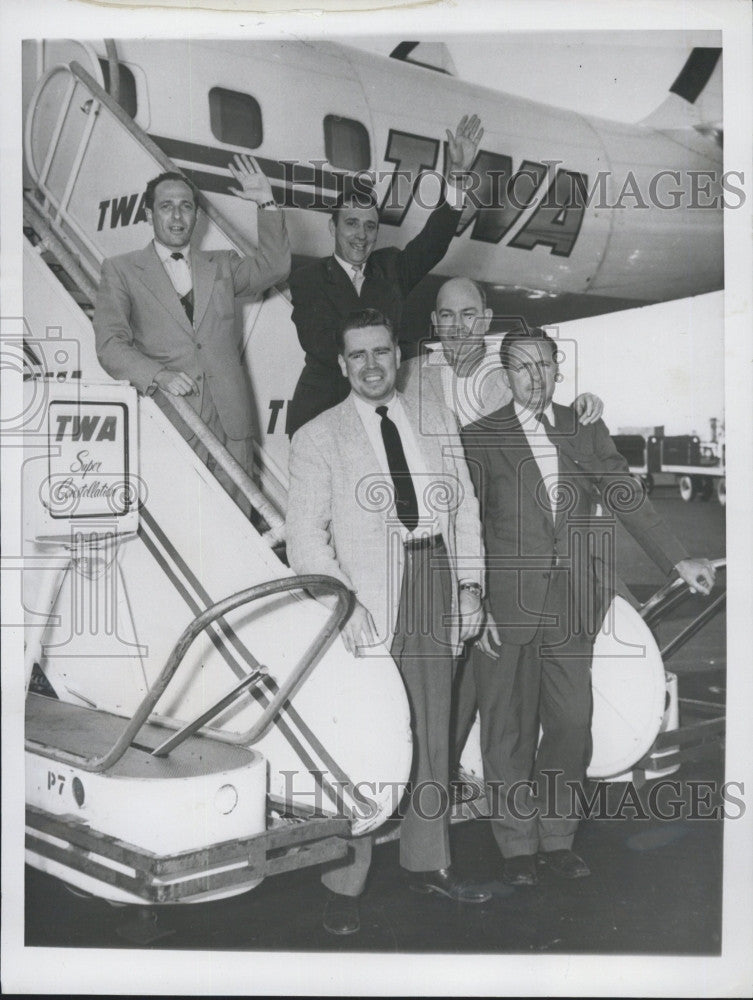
(355, 233)
(370, 361)
(174, 215)
(461, 322)
(531, 375)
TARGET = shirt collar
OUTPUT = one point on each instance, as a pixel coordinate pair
(165, 253)
(527, 418)
(348, 267)
(367, 410)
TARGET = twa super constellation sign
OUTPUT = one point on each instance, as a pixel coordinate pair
(90, 467)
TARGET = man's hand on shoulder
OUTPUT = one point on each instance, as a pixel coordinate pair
(462, 146)
(176, 383)
(699, 574)
(588, 407)
(254, 186)
(359, 630)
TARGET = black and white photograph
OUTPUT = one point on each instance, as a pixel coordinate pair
(372, 385)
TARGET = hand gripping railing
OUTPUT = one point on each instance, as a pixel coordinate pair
(337, 617)
(672, 594)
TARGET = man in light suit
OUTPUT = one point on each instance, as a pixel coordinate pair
(408, 559)
(165, 315)
(358, 276)
(535, 469)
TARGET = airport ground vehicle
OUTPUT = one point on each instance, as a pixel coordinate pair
(697, 468)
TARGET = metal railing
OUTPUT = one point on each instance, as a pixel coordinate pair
(336, 618)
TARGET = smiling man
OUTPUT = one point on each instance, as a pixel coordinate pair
(165, 315)
(359, 277)
(401, 557)
(536, 470)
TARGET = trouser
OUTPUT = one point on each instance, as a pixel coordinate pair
(239, 448)
(422, 650)
(535, 707)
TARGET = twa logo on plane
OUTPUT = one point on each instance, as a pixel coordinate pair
(497, 194)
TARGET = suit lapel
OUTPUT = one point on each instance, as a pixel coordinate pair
(154, 277)
(362, 458)
(204, 269)
(516, 450)
(339, 288)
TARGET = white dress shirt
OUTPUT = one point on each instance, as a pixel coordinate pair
(353, 271)
(422, 479)
(455, 198)
(178, 271)
(543, 450)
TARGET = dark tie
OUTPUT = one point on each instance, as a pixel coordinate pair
(185, 300)
(559, 440)
(405, 494)
(546, 423)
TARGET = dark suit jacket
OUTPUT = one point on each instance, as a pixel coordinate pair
(141, 327)
(524, 543)
(323, 296)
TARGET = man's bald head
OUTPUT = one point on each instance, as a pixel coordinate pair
(461, 320)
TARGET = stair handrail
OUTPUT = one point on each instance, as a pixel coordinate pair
(336, 618)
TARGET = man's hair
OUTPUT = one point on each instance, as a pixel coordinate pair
(170, 175)
(353, 199)
(359, 321)
(523, 335)
(479, 288)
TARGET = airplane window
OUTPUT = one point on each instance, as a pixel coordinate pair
(346, 143)
(127, 99)
(235, 118)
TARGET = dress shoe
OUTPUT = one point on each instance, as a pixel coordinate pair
(520, 870)
(445, 882)
(564, 863)
(341, 914)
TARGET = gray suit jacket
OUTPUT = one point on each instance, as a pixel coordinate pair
(141, 327)
(523, 540)
(422, 376)
(341, 520)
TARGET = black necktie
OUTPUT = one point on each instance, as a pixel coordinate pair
(185, 300)
(405, 494)
(546, 423)
(559, 440)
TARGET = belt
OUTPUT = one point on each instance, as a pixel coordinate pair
(425, 542)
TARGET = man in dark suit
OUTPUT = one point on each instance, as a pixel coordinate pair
(535, 468)
(165, 315)
(359, 277)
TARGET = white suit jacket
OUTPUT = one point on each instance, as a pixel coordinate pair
(341, 519)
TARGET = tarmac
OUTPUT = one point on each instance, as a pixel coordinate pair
(655, 887)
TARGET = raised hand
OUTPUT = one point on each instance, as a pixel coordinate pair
(254, 186)
(463, 145)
